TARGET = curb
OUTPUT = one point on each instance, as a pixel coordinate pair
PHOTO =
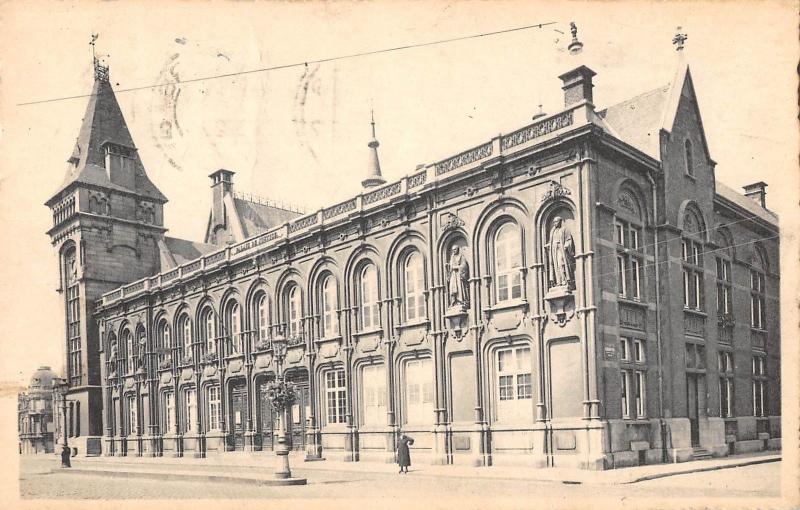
(701, 469)
(191, 477)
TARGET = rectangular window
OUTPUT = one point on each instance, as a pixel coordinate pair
(640, 395)
(620, 233)
(169, 412)
(335, 396)
(374, 394)
(624, 349)
(622, 286)
(686, 297)
(189, 410)
(725, 384)
(74, 335)
(759, 386)
(634, 242)
(625, 384)
(214, 408)
(685, 251)
(133, 424)
(419, 391)
(638, 351)
(514, 385)
(636, 278)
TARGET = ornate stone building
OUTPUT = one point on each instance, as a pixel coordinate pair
(579, 292)
(35, 425)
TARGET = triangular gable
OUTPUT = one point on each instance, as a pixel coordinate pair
(681, 82)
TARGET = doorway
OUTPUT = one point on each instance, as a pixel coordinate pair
(266, 418)
(238, 413)
(695, 404)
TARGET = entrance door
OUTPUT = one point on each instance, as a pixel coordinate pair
(265, 417)
(238, 415)
(298, 415)
(693, 409)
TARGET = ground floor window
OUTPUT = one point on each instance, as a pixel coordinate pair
(759, 385)
(189, 410)
(513, 384)
(419, 391)
(169, 411)
(373, 386)
(214, 408)
(335, 396)
(132, 417)
(725, 384)
(633, 394)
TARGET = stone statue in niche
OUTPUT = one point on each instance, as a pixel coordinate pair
(112, 359)
(458, 280)
(561, 251)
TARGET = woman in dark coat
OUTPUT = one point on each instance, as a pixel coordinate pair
(403, 454)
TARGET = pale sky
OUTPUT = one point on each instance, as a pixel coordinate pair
(301, 136)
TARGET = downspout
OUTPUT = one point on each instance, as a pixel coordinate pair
(662, 422)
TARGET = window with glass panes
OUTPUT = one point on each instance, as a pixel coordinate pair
(189, 410)
(335, 396)
(414, 283)
(330, 324)
(164, 340)
(185, 329)
(507, 263)
(724, 285)
(692, 255)
(208, 330)
(262, 308)
(633, 361)
(373, 390)
(629, 259)
(74, 333)
(133, 426)
(514, 385)
(726, 373)
(419, 391)
(368, 287)
(169, 412)
(759, 385)
(294, 311)
(130, 351)
(234, 328)
(757, 283)
(214, 408)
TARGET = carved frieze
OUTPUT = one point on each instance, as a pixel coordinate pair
(556, 190)
(465, 158)
(631, 317)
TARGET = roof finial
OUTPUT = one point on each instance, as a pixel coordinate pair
(374, 177)
(575, 46)
(100, 71)
(680, 39)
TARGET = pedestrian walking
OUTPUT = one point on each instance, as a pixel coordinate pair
(403, 453)
(65, 463)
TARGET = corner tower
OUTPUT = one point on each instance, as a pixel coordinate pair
(107, 219)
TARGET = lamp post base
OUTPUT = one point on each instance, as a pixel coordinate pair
(282, 469)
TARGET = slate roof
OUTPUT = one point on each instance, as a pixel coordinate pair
(256, 218)
(174, 252)
(103, 122)
(746, 203)
(637, 121)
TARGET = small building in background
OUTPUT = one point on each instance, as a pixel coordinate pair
(35, 413)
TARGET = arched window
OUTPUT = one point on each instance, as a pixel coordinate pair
(130, 353)
(507, 263)
(234, 325)
(185, 331)
(262, 316)
(208, 330)
(414, 287)
(724, 276)
(294, 309)
(692, 255)
(330, 323)
(687, 145)
(628, 236)
(164, 338)
(368, 286)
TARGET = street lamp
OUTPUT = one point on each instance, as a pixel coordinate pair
(60, 388)
(281, 398)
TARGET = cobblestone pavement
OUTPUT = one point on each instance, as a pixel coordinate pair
(37, 481)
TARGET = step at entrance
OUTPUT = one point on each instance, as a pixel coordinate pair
(700, 454)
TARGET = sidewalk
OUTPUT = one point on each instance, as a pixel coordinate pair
(246, 467)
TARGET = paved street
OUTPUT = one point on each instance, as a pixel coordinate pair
(37, 481)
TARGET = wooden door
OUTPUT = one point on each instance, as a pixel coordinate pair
(238, 414)
(692, 404)
(266, 420)
(297, 418)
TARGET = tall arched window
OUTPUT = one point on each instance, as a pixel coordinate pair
(687, 145)
(185, 331)
(330, 323)
(262, 317)
(234, 325)
(208, 330)
(757, 291)
(294, 310)
(628, 228)
(164, 339)
(370, 310)
(130, 353)
(507, 263)
(414, 287)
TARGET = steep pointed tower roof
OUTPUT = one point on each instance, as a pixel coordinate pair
(374, 177)
(104, 130)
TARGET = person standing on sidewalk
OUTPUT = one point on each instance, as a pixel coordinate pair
(403, 453)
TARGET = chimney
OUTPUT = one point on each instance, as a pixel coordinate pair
(758, 192)
(577, 85)
(221, 184)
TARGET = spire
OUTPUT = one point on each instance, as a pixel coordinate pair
(374, 177)
(104, 153)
